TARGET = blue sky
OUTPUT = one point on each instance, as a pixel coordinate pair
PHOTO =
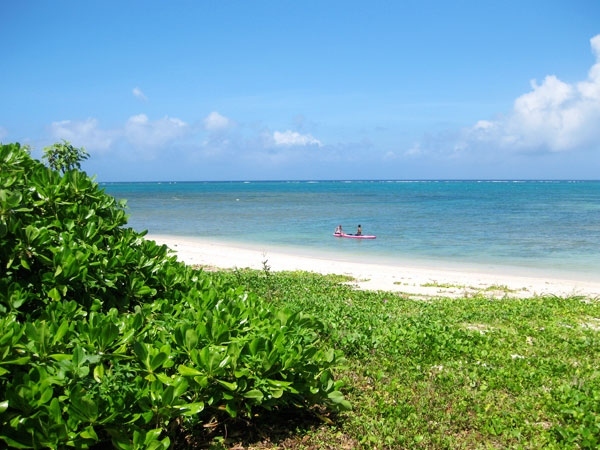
(312, 89)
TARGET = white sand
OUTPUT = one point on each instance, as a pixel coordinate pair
(413, 281)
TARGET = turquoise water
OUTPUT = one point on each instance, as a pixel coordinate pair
(546, 225)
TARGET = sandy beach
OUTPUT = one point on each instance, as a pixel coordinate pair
(412, 281)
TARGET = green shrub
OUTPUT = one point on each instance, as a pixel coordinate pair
(106, 336)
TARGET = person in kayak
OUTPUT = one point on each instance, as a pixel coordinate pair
(359, 231)
(338, 230)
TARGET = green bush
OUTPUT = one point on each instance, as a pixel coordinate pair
(105, 336)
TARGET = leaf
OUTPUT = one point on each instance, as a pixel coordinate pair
(3, 406)
(191, 339)
(140, 351)
(254, 394)
(59, 334)
(47, 394)
(224, 362)
(55, 411)
(231, 409)
(99, 372)
(83, 408)
(54, 294)
(189, 371)
(338, 399)
(158, 360)
(190, 409)
(228, 385)
(152, 435)
(18, 361)
(89, 433)
(165, 379)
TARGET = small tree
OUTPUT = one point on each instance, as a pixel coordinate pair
(64, 156)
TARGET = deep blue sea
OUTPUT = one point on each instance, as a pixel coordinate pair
(548, 226)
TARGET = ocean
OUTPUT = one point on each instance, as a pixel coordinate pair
(537, 227)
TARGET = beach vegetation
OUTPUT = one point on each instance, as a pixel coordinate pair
(471, 372)
(63, 156)
(105, 338)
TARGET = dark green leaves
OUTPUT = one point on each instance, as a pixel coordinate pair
(64, 157)
(103, 333)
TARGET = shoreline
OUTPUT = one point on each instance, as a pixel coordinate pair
(414, 280)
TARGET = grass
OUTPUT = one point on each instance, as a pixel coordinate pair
(469, 373)
(443, 285)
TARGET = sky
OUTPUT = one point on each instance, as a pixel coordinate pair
(306, 90)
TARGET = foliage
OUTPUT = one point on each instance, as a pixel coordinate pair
(445, 373)
(105, 336)
(64, 156)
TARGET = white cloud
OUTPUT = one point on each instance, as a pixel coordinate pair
(554, 116)
(139, 131)
(142, 132)
(85, 133)
(292, 138)
(215, 122)
(140, 136)
(137, 93)
(3, 133)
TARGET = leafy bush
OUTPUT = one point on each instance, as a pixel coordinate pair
(106, 336)
(64, 156)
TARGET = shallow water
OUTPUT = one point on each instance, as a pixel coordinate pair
(546, 226)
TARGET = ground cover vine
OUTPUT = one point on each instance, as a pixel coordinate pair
(454, 373)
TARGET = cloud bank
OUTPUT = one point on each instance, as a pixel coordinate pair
(554, 116)
(138, 131)
(216, 136)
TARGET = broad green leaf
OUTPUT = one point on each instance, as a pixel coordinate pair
(276, 393)
(54, 294)
(254, 394)
(83, 408)
(338, 398)
(99, 372)
(158, 360)
(191, 338)
(228, 385)
(164, 444)
(60, 332)
(165, 379)
(190, 409)
(54, 411)
(231, 409)
(152, 435)
(202, 381)
(18, 361)
(224, 362)
(89, 433)
(47, 394)
(189, 371)
(140, 350)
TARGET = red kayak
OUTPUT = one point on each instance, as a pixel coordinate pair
(354, 236)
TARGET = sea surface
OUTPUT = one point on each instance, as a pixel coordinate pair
(544, 227)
